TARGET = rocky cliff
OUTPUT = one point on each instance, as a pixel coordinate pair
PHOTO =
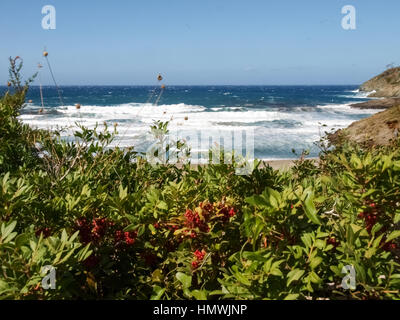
(385, 85)
(379, 129)
(377, 104)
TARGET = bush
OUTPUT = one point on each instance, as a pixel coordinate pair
(117, 227)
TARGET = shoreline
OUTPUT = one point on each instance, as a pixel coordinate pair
(381, 103)
(276, 164)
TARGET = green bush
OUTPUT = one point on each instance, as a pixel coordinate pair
(117, 227)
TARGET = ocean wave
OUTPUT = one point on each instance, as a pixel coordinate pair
(275, 128)
(267, 124)
(346, 109)
(132, 108)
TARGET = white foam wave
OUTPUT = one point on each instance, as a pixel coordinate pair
(346, 108)
(134, 119)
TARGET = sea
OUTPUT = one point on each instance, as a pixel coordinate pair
(284, 119)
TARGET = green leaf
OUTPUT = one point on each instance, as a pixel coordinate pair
(294, 275)
(132, 227)
(307, 240)
(157, 293)
(21, 239)
(275, 269)
(274, 197)
(309, 208)
(314, 278)
(291, 296)
(336, 270)
(199, 294)
(393, 235)
(5, 231)
(184, 279)
(242, 279)
(162, 205)
(387, 162)
(152, 229)
(84, 253)
(123, 192)
(315, 262)
(256, 201)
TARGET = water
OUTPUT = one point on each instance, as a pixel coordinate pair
(283, 117)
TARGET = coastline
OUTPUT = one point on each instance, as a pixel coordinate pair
(276, 164)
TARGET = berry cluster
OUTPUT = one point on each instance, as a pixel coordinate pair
(99, 228)
(226, 211)
(194, 220)
(200, 217)
(173, 227)
(156, 225)
(92, 231)
(370, 217)
(388, 246)
(335, 243)
(127, 237)
(199, 256)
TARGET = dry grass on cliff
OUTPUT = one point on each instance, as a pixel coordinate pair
(386, 84)
(380, 129)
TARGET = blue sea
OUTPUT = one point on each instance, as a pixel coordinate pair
(282, 117)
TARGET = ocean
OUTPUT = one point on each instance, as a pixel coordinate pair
(282, 117)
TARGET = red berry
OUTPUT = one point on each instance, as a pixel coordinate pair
(193, 221)
(199, 254)
(388, 246)
(333, 242)
(119, 236)
(193, 235)
(130, 237)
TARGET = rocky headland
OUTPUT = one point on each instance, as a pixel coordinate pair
(385, 86)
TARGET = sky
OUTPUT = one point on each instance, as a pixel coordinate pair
(226, 42)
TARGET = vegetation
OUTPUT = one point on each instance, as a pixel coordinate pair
(386, 84)
(379, 129)
(117, 227)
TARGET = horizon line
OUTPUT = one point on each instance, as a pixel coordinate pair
(191, 85)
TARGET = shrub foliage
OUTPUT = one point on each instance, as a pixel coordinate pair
(117, 227)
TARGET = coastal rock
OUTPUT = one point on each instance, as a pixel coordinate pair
(380, 129)
(385, 85)
(377, 104)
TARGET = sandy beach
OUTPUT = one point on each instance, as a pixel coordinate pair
(279, 164)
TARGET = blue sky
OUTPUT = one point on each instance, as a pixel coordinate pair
(202, 42)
